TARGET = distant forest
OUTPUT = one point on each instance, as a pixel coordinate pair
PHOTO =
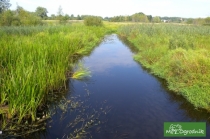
(141, 17)
(22, 17)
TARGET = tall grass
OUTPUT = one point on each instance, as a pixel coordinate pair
(177, 53)
(35, 60)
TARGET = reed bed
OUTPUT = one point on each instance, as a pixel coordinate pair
(177, 53)
(34, 61)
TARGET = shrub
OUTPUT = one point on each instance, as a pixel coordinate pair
(93, 21)
(6, 18)
(27, 18)
(19, 17)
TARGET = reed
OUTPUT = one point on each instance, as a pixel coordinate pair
(36, 60)
(177, 53)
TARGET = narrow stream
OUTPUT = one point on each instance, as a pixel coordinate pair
(126, 101)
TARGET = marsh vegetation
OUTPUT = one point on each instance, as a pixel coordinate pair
(38, 59)
(36, 62)
(53, 85)
(177, 53)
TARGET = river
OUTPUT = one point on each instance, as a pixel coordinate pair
(121, 99)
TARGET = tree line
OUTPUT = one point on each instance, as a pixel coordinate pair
(141, 17)
(22, 17)
(137, 17)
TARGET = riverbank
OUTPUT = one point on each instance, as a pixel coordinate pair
(35, 61)
(178, 54)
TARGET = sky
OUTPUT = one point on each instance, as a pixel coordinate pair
(110, 8)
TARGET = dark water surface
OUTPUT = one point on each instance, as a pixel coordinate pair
(132, 103)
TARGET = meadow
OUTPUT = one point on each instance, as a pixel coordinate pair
(37, 60)
(177, 53)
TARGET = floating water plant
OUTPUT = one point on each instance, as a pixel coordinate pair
(81, 72)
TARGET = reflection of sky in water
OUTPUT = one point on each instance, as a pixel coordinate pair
(104, 58)
(139, 103)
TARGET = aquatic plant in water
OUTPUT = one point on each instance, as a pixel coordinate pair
(81, 72)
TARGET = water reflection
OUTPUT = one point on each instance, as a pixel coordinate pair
(187, 109)
(141, 103)
(130, 102)
(111, 54)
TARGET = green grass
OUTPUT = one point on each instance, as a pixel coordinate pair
(177, 53)
(36, 60)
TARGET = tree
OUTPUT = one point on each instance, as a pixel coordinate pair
(72, 17)
(60, 11)
(106, 18)
(78, 17)
(156, 19)
(149, 18)
(198, 21)
(19, 17)
(139, 17)
(53, 17)
(62, 19)
(190, 21)
(93, 21)
(27, 18)
(4, 5)
(19, 9)
(84, 16)
(41, 12)
(207, 20)
(6, 18)
(60, 16)
(135, 18)
(67, 16)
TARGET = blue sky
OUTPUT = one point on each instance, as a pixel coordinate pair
(179, 8)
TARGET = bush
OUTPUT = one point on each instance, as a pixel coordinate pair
(6, 18)
(93, 21)
(19, 17)
(27, 19)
